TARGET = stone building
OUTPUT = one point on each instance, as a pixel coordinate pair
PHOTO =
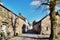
(21, 25)
(5, 18)
(10, 22)
(37, 26)
(44, 26)
(30, 27)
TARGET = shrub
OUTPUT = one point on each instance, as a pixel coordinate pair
(56, 36)
(8, 33)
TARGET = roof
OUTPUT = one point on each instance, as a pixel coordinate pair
(7, 9)
(45, 17)
(49, 15)
(40, 20)
(23, 18)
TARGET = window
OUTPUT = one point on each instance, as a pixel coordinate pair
(47, 28)
(58, 25)
(23, 28)
(58, 33)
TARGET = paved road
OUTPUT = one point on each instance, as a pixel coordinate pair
(29, 37)
(58, 37)
(23, 38)
(17, 38)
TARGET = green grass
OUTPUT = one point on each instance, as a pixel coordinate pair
(56, 36)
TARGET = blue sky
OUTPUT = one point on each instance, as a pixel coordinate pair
(25, 8)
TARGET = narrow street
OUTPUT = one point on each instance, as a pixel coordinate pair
(30, 37)
(29, 19)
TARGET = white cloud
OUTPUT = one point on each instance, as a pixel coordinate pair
(57, 8)
(36, 2)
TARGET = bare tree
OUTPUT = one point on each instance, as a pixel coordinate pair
(13, 24)
(52, 4)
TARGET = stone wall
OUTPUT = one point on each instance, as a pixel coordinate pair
(46, 25)
(58, 24)
(13, 20)
(37, 27)
(19, 24)
(5, 16)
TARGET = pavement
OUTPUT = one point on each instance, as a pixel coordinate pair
(30, 37)
(58, 37)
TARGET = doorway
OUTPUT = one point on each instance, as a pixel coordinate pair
(24, 28)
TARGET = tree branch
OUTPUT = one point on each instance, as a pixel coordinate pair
(44, 4)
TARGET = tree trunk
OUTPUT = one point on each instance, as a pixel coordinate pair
(13, 25)
(14, 31)
(53, 19)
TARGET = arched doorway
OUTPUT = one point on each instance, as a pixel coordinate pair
(24, 28)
